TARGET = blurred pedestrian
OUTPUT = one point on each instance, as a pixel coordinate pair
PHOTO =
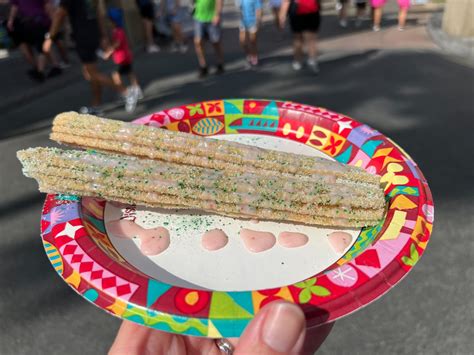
(343, 9)
(147, 13)
(250, 18)
(304, 20)
(88, 26)
(378, 5)
(59, 41)
(122, 56)
(174, 15)
(28, 22)
(207, 25)
(275, 7)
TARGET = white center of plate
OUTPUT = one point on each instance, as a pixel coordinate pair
(186, 263)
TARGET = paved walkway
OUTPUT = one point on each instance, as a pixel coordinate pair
(419, 97)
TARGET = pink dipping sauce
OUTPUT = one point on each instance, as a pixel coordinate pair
(256, 241)
(153, 241)
(292, 239)
(339, 241)
(214, 239)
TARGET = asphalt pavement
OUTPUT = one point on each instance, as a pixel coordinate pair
(409, 90)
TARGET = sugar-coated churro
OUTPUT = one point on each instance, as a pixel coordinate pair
(327, 200)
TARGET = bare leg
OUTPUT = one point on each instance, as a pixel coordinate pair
(343, 14)
(148, 31)
(41, 65)
(96, 89)
(276, 13)
(177, 33)
(402, 17)
(243, 41)
(219, 52)
(199, 47)
(253, 43)
(377, 16)
(310, 42)
(117, 79)
(28, 54)
(133, 79)
(360, 12)
(298, 47)
(98, 80)
(62, 51)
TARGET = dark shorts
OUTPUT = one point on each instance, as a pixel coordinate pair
(87, 51)
(29, 32)
(305, 23)
(359, 4)
(124, 69)
(146, 9)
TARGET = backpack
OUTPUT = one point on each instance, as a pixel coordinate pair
(303, 7)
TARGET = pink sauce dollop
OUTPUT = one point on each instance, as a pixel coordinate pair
(292, 239)
(153, 241)
(256, 241)
(339, 241)
(214, 239)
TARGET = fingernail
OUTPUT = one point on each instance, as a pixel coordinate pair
(282, 327)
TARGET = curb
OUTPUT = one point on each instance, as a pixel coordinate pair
(459, 47)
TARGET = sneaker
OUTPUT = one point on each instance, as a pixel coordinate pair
(37, 76)
(55, 71)
(85, 110)
(313, 65)
(203, 71)
(153, 48)
(375, 28)
(220, 69)
(183, 48)
(137, 90)
(64, 65)
(400, 28)
(296, 65)
(343, 23)
(174, 48)
(253, 61)
(130, 101)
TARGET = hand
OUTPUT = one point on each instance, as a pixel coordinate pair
(216, 20)
(107, 54)
(279, 328)
(47, 45)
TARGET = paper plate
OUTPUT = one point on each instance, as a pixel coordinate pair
(188, 290)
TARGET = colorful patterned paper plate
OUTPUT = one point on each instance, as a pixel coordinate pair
(77, 244)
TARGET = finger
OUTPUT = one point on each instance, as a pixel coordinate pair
(134, 339)
(279, 328)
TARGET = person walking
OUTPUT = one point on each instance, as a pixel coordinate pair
(122, 56)
(275, 6)
(147, 13)
(174, 14)
(305, 18)
(343, 9)
(250, 18)
(378, 5)
(28, 22)
(88, 26)
(207, 24)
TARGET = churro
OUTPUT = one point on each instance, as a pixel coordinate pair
(325, 199)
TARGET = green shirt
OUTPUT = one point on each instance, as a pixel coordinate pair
(204, 10)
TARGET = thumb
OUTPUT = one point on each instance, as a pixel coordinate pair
(279, 328)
